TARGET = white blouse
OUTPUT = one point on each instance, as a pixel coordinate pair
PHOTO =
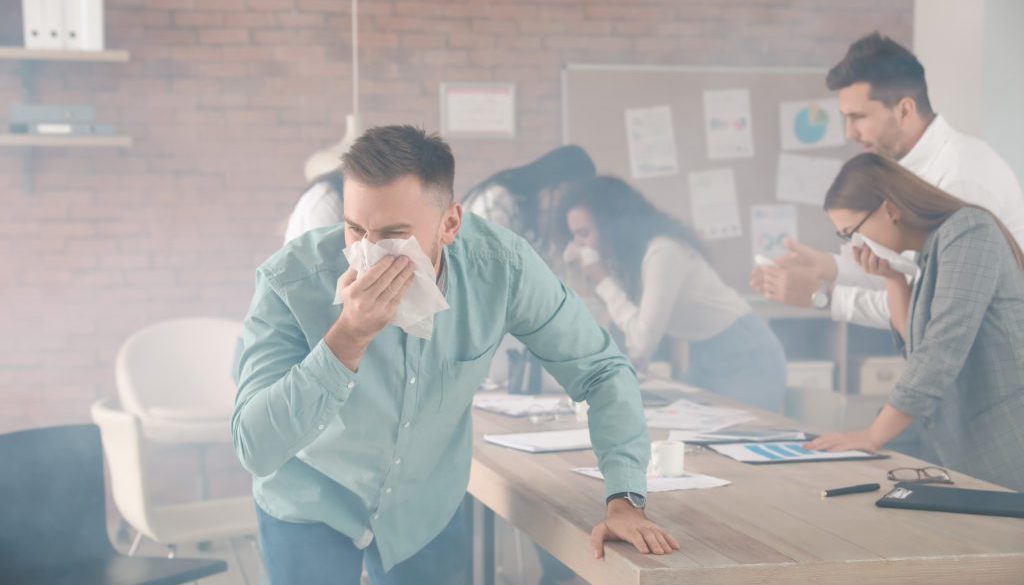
(682, 296)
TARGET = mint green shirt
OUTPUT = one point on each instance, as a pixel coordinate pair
(384, 453)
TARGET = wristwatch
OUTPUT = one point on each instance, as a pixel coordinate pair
(636, 500)
(822, 298)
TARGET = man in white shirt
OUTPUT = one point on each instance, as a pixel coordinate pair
(319, 206)
(884, 98)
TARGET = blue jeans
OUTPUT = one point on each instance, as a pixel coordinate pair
(745, 362)
(316, 554)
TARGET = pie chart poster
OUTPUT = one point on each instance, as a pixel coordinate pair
(807, 125)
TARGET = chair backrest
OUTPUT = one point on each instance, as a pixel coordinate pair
(52, 503)
(180, 366)
(123, 447)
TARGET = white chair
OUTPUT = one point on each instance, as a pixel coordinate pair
(176, 376)
(204, 520)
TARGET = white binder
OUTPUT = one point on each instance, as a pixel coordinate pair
(33, 24)
(43, 24)
(83, 25)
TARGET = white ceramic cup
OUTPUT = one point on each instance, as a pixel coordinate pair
(667, 458)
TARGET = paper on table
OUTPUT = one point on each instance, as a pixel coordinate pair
(659, 384)
(689, 481)
(736, 435)
(518, 405)
(782, 452)
(544, 441)
(716, 212)
(689, 415)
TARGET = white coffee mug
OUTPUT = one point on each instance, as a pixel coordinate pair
(667, 458)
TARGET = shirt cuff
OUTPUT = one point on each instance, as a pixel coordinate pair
(620, 477)
(842, 303)
(334, 378)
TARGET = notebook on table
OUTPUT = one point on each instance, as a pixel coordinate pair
(957, 500)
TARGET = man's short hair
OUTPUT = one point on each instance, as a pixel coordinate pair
(383, 154)
(892, 71)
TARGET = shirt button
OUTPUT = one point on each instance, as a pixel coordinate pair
(320, 427)
(351, 385)
(387, 490)
(398, 461)
(376, 516)
(406, 424)
(412, 380)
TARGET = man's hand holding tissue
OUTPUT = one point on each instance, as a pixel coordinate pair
(370, 303)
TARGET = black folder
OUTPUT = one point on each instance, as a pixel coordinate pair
(958, 500)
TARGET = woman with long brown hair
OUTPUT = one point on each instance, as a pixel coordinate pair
(960, 322)
(656, 282)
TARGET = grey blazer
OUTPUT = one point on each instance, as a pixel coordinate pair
(965, 350)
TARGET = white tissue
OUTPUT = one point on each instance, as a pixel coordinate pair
(896, 261)
(415, 313)
(585, 255)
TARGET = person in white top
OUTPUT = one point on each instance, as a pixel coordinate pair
(655, 279)
(319, 206)
(523, 199)
(884, 97)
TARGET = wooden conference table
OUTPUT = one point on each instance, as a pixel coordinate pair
(769, 526)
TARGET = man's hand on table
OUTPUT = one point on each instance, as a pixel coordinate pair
(624, 522)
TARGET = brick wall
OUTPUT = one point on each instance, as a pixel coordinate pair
(226, 98)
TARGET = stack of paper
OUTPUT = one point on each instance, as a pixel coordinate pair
(657, 483)
(688, 415)
(519, 405)
(544, 441)
(736, 436)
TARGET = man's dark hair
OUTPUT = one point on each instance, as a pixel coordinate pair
(893, 72)
(385, 153)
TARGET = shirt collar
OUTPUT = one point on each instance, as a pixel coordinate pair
(923, 153)
(442, 279)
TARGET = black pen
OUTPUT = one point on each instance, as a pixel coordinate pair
(853, 489)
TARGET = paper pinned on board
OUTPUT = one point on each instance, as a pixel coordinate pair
(727, 124)
(805, 179)
(652, 143)
(770, 226)
(810, 124)
(714, 204)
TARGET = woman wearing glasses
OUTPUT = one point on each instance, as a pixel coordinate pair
(960, 324)
(656, 282)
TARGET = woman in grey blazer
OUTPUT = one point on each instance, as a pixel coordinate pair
(960, 321)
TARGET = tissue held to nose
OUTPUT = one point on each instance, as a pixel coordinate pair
(415, 314)
(897, 261)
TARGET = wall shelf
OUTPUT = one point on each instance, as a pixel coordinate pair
(29, 63)
(23, 54)
(64, 141)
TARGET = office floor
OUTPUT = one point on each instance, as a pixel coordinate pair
(508, 570)
(247, 553)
